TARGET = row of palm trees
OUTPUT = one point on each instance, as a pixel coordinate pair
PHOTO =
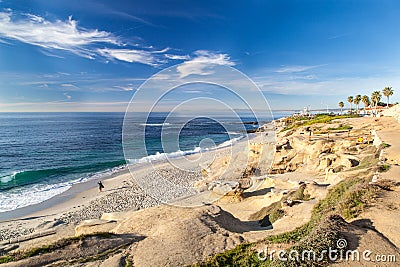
(367, 101)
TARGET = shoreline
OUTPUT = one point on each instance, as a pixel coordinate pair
(35, 210)
(87, 191)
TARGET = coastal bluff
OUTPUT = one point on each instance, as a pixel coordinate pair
(327, 181)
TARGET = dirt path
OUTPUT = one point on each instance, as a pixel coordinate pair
(385, 215)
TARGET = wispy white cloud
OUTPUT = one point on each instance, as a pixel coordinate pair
(67, 35)
(67, 96)
(322, 86)
(129, 87)
(177, 57)
(70, 86)
(62, 106)
(131, 55)
(83, 82)
(162, 51)
(292, 69)
(46, 53)
(60, 35)
(4, 42)
(337, 36)
(128, 16)
(197, 92)
(201, 62)
(64, 73)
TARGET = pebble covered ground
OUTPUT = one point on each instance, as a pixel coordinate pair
(14, 232)
(129, 197)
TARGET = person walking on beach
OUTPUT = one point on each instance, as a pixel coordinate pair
(101, 186)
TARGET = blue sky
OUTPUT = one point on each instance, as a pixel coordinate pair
(93, 55)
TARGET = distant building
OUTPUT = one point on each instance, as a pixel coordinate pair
(306, 111)
(372, 110)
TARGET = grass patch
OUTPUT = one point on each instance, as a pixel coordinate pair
(101, 256)
(242, 255)
(5, 259)
(341, 128)
(385, 145)
(128, 262)
(294, 236)
(259, 215)
(367, 162)
(356, 200)
(348, 198)
(319, 118)
(39, 250)
(299, 194)
(270, 214)
(384, 168)
(52, 247)
(82, 237)
(330, 202)
(300, 118)
(62, 243)
(322, 237)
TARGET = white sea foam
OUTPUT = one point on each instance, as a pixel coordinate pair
(233, 133)
(8, 178)
(34, 194)
(230, 142)
(163, 156)
(22, 197)
(155, 124)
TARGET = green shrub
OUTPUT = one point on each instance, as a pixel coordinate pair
(261, 214)
(299, 194)
(241, 255)
(5, 259)
(385, 145)
(128, 262)
(341, 128)
(318, 118)
(38, 251)
(384, 168)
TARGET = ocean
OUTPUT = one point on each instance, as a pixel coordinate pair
(44, 154)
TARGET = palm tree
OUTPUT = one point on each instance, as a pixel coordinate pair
(375, 98)
(357, 101)
(350, 100)
(387, 91)
(366, 102)
(341, 105)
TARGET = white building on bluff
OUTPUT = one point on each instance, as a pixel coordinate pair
(306, 111)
